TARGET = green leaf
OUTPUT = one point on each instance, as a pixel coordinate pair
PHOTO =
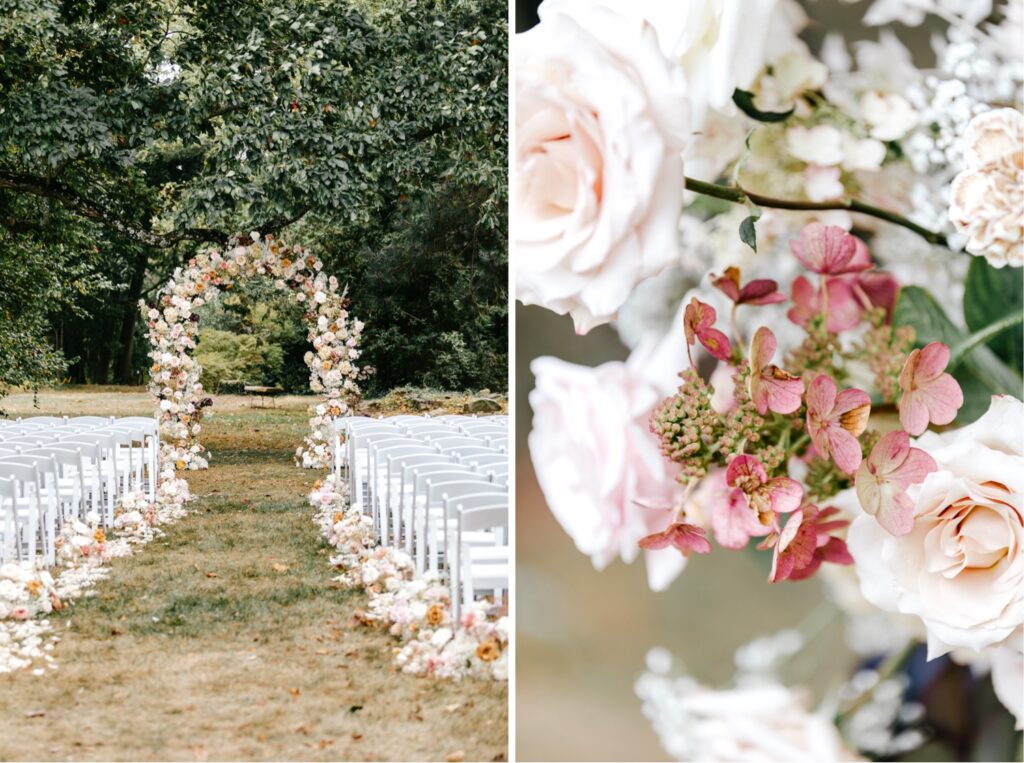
(990, 295)
(744, 99)
(748, 234)
(981, 374)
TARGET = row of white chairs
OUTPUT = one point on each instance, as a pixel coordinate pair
(55, 469)
(437, 488)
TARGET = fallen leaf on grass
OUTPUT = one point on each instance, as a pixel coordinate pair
(212, 575)
(278, 567)
(356, 735)
(295, 692)
(452, 708)
(325, 743)
(457, 757)
(322, 651)
(35, 713)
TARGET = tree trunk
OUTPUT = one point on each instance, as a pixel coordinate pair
(129, 318)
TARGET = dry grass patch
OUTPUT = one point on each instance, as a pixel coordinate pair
(226, 639)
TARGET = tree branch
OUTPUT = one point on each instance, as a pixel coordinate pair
(740, 196)
(73, 201)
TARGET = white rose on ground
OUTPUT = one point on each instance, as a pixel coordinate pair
(600, 125)
(987, 198)
(961, 567)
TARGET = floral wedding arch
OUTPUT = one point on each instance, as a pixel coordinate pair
(178, 394)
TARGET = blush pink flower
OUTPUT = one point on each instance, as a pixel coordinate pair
(876, 289)
(732, 519)
(698, 324)
(844, 310)
(760, 291)
(806, 541)
(767, 497)
(770, 387)
(835, 421)
(884, 476)
(684, 538)
(830, 250)
(929, 394)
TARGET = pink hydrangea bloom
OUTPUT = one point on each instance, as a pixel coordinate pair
(679, 535)
(770, 387)
(876, 289)
(806, 541)
(733, 521)
(767, 497)
(760, 291)
(884, 476)
(835, 421)
(698, 323)
(830, 250)
(929, 394)
(844, 310)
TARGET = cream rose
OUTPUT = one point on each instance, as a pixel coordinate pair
(987, 199)
(601, 121)
(598, 464)
(961, 567)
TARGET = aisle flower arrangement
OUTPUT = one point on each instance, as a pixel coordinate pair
(826, 346)
(416, 611)
(28, 594)
(178, 394)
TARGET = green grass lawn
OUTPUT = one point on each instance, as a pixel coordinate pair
(227, 639)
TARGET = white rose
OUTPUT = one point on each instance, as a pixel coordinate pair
(987, 199)
(598, 464)
(721, 44)
(961, 568)
(600, 125)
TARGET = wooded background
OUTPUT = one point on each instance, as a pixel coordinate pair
(135, 132)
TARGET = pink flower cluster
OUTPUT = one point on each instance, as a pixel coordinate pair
(795, 410)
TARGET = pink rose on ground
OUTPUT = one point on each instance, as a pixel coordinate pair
(929, 394)
(960, 568)
(598, 464)
(770, 387)
(836, 421)
(884, 477)
(601, 121)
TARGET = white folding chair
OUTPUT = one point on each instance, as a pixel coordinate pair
(31, 514)
(77, 487)
(474, 568)
(438, 488)
(398, 467)
(10, 547)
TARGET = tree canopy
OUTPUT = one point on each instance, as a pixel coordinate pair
(134, 131)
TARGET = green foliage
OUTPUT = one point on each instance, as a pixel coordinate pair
(225, 356)
(991, 295)
(148, 126)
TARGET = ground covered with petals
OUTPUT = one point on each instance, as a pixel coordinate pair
(227, 638)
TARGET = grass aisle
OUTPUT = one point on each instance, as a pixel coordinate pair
(226, 639)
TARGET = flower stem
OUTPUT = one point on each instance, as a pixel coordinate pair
(894, 663)
(742, 196)
(963, 348)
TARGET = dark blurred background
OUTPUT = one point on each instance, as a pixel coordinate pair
(583, 634)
